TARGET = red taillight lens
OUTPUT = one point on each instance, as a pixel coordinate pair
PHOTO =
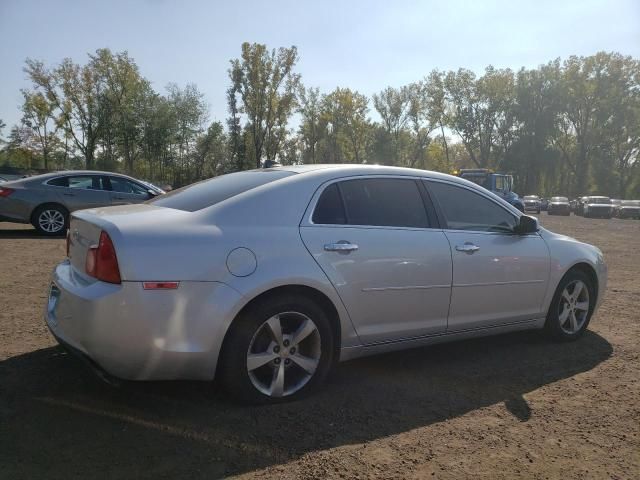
(101, 261)
(6, 191)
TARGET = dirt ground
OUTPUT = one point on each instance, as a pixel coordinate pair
(514, 406)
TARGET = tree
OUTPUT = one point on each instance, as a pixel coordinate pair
(344, 113)
(267, 85)
(310, 131)
(38, 114)
(394, 106)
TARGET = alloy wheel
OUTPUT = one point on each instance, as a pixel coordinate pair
(284, 354)
(574, 307)
(51, 221)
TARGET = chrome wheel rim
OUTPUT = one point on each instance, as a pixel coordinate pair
(574, 307)
(51, 221)
(284, 354)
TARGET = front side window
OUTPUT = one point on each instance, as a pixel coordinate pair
(464, 209)
(122, 185)
(382, 202)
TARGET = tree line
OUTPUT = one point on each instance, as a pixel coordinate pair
(567, 127)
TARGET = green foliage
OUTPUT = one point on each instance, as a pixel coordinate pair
(568, 128)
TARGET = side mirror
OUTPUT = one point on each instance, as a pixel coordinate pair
(526, 225)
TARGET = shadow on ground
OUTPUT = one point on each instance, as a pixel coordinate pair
(26, 232)
(57, 420)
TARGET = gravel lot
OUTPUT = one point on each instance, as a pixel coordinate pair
(514, 406)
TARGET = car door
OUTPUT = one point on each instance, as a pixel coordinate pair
(124, 191)
(499, 277)
(372, 238)
(81, 191)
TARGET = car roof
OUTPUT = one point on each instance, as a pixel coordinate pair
(347, 169)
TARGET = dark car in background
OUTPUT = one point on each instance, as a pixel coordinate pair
(531, 203)
(544, 204)
(45, 201)
(597, 207)
(559, 206)
(628, 209)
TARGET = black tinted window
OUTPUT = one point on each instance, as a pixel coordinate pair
(384, 202)
(59, 182)
(330, 210)
(467, 210)
(209, 192)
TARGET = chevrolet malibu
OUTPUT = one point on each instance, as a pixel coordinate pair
(265, 279)
(46, 200)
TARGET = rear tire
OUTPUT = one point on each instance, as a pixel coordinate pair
(278, 350)
(51, 220)
(571, 308)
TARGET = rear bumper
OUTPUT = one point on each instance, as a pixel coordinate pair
(137, 334)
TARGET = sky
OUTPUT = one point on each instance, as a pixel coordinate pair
(363, 45)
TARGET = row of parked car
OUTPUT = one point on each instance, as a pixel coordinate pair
(587, 206)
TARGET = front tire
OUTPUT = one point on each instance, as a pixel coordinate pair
(278, 350)
(571, 307)
(51, 219)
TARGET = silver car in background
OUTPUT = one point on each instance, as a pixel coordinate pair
(45, 201)
(269, 277)
(597, 207)
(532, 203)
(559, 206)
(628, 209)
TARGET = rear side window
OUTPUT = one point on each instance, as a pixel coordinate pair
(59, 182)
(330, 210)
(209, 192)
(467, 210)
(382, 202)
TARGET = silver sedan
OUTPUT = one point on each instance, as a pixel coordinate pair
(46, 200)
(265, 279)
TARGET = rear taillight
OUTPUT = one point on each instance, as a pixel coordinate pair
(101, 262)
(6, 191)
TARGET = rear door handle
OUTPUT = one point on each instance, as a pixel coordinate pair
(467, 248)
(69, 194)
(341, 246)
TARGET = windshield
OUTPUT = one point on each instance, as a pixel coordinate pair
(559, 199)
(531, 197)
(631, 203)
(209, 192)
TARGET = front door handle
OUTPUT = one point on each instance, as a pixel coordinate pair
(341, 246)
(69, 194)
(467, 248)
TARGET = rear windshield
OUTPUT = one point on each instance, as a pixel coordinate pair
(209, 192)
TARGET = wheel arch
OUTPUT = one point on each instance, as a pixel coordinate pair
(32, 215)
(312, 293)
(589, 271)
